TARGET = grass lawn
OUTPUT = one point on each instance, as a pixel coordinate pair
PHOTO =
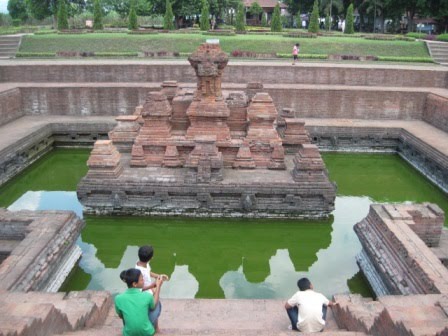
(120, 42)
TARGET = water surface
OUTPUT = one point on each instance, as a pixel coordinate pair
(216, 258)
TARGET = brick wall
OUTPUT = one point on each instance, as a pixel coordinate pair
(234, 73)
(436, 111)
(10, 106)
(316, 102)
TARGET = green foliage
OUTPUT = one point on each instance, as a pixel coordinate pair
(327, 22)
(17, 9)
(314, 20)
(442, 37)
(35, 54)
(349, 21)
(16, 22)
(416, 35)
(307, 56)
(276, 23)
(405, 59)
(97, 15)
(62, 15)
(132, 24)
(239, 25)
(255, 9)
(169, 17)
(264, 21)
(204, 22)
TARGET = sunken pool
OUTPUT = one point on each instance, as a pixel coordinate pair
(226, 258)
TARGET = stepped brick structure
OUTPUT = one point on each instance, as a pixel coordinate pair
(193, 149)
(396, 257)
(35, 247)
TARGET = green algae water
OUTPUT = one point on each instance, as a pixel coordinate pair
(226, 258)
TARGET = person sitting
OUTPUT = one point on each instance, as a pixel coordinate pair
(133, 305)
(307, 309)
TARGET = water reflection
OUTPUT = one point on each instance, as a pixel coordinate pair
(329, 267)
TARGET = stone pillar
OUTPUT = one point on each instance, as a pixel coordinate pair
(170, 89)
(309, 166)
(295, 132)
(244, 159)
(205, 162)
(171, 158)
(104, 161)
(125, 132)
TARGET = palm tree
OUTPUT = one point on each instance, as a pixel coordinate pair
(377, 8)
(327, 6)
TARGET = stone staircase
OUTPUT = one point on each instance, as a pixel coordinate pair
(220, 318)
(9, 45)
(40, 314)
(438, 51)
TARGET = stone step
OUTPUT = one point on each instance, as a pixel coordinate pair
(7, 49)
(51, 313)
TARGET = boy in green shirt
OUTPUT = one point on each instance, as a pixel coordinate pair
(132, 306)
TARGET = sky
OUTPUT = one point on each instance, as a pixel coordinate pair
(3, 4)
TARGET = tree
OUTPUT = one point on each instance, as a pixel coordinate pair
(264, 21)
(349, 21)
(240, 26)
(169, 17)
(17, 9)
(327, 22)
(132, 24)
(276, 23)
(204, 22)
(97, 15)
(295, 7)
(41, 9)
(255, 10)
(62, 15)
(314, 20)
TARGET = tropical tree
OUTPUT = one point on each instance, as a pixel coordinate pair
(276, 22)
(349, 21)
(17, 9)
(328, 22)
(204, 22)
(97, 15)
(255, 10)
(62, 15)
(314, 20)
(41, 9)
(264, 20)
(169, 17)
(132, 23)
(239, 24)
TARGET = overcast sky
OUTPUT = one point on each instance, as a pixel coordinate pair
(3, 4)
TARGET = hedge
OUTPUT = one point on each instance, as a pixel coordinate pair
(442, 37)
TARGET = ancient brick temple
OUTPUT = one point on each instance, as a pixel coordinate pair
(206, 152)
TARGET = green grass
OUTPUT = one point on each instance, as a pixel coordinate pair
(185, 43)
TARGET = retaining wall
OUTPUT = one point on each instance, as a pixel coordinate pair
(269, 73)
(436, 111)
(310, 102)
(10, 106)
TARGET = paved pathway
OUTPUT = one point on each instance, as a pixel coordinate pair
(218, 317)
(436, 138)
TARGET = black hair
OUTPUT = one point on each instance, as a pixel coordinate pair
(145, 253)
(130, 276)
(304, 284)
(298, 44)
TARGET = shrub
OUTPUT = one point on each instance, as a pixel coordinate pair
(314, 20)
(405, 59)
(204, 22)
(97, 15)
(327, 22)
(132, 24)
(62, 15)
(304, 56)
(169, 17)
(239, 24)
(276, 23)
(300, 35)
(16, 22)
(416, 35)
(442, 37)
(349, 25)
(264, 22)
(35, 54)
